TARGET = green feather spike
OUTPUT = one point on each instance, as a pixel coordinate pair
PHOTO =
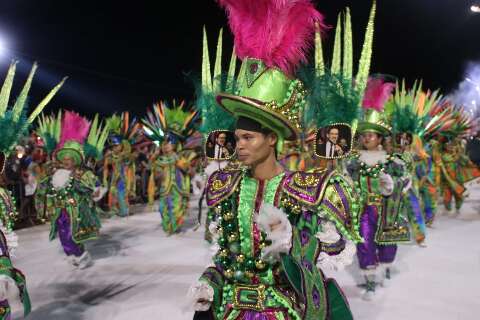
(45, 101)
(231, 71)
(402, 94)
(114, 123)
(97, 137)
(91, 138)
(22, 98)
(218, 63)
(366, 56)
(319, 62)
(241, 73)
(7, 87)
(206, 72)
(337, 47)
(213, 117)
(348, 47)
(58, 125)
(48, 127)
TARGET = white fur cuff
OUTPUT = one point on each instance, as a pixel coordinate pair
(275, 224)
(200, 296)
(339, 261)
(386, 183)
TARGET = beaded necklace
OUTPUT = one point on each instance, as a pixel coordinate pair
(240, 241)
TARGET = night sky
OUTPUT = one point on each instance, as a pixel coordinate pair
(124, 55)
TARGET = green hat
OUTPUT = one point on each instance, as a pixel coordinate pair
(374, 121)
(72, 149)
(269, 97)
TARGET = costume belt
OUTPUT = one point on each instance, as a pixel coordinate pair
(374, 199)
(246, 296)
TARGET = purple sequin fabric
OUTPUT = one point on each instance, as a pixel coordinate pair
(65, 235)
(369, 253)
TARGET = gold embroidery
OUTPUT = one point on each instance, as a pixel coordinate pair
(309, 181)
(218, 185)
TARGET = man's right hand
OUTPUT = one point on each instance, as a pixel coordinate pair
(200, 296)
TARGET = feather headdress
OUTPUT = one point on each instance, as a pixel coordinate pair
(74, 128)
(172, 123)
(278, 32)
(97, 137)
(377, 94)
(48, 128)
(212, 116)
(14, 121)
(122, 128)
(334, 94)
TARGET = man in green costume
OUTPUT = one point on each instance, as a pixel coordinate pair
(273, 229)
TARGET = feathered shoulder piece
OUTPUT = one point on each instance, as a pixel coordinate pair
(278, 32)
(163, 122)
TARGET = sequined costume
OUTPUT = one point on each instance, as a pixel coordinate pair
(119, 163)
(171, 127)
(425, 173)
(412, 200)
(71, 208)
(70, 191)
(381, 225)
(246, 286)
(174, 190)
(454, 169)
(8, 243)
(118, 176)
(14, 123)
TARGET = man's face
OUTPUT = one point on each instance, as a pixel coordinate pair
(117, 148)
(167, 148)
(332, 135)
(221, 139)
(254, 147)
(388, 145)
(68, 163)
(371, 141)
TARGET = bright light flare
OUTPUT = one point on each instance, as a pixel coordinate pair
(3, 47)
(475, 8)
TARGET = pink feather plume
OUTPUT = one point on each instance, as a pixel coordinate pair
(278, 32)
(74, 127)
(377, 94)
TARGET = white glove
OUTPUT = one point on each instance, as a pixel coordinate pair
(386, 184)
(214, 247)
(200, 296)
(407, 187)
(329, 233)
(3, 289)
(8, 289)
(339, 261)
(98, 193)
(275, 224)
